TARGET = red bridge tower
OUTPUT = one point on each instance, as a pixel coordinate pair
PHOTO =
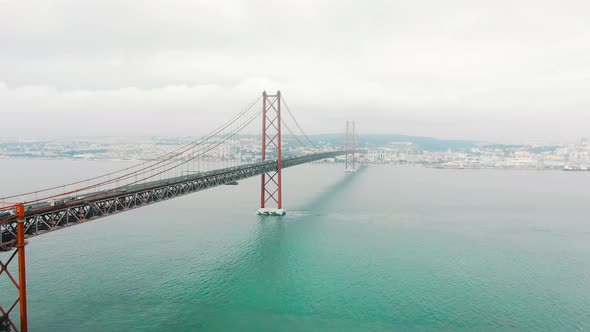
(350, 161)
(271, 182)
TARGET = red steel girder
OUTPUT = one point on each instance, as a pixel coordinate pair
(271, 187)
(350, 161)
(5, 320)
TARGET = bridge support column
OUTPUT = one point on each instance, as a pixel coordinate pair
(350, 161)
(6, 322)
(271, 182)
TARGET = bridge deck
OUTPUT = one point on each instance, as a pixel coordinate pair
(41, 218)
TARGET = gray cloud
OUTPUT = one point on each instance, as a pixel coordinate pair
(491, 70)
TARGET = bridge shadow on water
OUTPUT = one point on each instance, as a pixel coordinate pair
(321, 201)
(256, 287)
(240, 289)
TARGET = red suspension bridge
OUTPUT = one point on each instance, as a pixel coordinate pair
(249, 144)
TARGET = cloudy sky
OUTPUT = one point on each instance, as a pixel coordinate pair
(509, 71)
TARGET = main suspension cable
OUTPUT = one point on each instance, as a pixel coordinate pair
(194, 143)
(297, 124)
(166, 162)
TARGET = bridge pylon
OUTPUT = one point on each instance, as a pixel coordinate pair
(350, 143)
(271, 182)
(20, 283)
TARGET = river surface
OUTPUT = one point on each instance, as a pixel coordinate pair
(387, 248)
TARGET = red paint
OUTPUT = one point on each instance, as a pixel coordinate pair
(262, 200)
(22, 277)
(279, 153)
(271, 182)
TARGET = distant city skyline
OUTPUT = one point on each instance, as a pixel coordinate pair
(415, 151)
(495, 71)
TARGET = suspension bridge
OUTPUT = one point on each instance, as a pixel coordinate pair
(252, 143)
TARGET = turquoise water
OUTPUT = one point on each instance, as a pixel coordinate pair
(388, 248)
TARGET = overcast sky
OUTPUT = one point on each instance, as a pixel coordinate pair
(506, 71)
